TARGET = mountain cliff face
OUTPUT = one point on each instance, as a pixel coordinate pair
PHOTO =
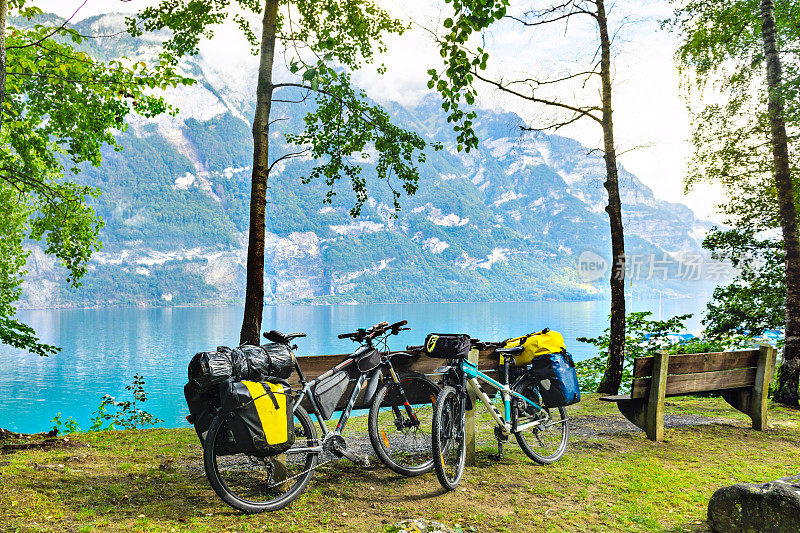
(505, 222)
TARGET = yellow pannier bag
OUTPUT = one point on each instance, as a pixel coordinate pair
(260, 416)
(535, 344)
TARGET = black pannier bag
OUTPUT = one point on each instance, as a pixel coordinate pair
(557, 379)
(207, 370)
(367, 358)
(447, 345)
(260, 416)
(201, 410)
(329, 391)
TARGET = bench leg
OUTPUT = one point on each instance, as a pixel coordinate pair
(654, 422)
(758, 401)
(634, 410)
(753, 402)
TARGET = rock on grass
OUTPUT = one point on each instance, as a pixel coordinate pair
(416, 525)
(746, 507)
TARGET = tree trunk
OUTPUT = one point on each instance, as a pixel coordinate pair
(789, 373)
(3, 16)
(616, 350)
(254, 294)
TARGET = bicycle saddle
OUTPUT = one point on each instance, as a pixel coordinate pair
(516, 350)
(282, 338)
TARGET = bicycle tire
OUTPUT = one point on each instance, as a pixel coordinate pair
(449, 438)
(404, 449)
(549, 438)
(237, 478)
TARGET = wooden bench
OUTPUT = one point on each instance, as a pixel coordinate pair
(743, 378)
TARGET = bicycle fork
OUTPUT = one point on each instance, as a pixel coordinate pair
(414, 421)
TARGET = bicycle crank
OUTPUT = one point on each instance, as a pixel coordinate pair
(334, 444)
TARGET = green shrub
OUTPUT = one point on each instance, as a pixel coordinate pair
(644, 337)
(124, 414)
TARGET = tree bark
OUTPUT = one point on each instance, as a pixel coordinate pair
(616, 350)
(254, 293)
(789, 373)
(3, 16)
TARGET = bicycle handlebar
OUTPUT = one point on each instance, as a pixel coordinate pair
(373, 331)
(484, 345)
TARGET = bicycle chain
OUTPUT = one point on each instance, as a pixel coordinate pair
(319, 464)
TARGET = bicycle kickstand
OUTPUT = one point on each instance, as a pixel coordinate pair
(499, 456)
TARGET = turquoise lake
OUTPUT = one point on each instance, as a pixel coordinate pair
(103, 348)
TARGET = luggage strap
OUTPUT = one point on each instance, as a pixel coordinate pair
(267, 392)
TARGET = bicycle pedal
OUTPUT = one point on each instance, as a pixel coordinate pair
(495, 457)
(360, 460)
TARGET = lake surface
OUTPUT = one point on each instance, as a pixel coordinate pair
(103, 348)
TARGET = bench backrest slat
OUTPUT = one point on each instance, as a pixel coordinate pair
(698, 362)
(703, 372)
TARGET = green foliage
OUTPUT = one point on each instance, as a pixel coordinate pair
(643, 337)
(124, 414)
(455, 84)
(721, 58)
(61, 426)
(755, 301)
(344, 124)
(61, 107)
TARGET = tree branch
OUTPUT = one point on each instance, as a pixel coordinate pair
(540, 14)
(583, 112)
(366, 117)
(55, 30)
(287, 156)
(557, 80)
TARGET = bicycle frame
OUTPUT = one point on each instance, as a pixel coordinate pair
(373, 376)
(472, 378)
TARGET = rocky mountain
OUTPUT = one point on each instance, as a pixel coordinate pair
(505, 222)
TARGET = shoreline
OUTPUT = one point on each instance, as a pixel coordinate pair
(342, 304)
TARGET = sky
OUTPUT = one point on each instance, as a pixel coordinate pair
(651, 123)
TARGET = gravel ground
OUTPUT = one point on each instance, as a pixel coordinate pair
(593, 426)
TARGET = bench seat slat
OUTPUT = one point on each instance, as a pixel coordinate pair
(699, 362)
(615, 398)
(698, 382)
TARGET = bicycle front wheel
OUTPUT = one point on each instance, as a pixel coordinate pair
(256, 484)
(547, 435)
(448, 438)
(402, 439)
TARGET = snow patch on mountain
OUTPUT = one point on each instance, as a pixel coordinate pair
(357, 227)
(434, 245)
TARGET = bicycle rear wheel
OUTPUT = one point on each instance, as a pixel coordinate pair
(403, 444)
(448, 438)
(256, 484)
(546, 441)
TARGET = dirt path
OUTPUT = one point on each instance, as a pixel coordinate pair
(595, 425)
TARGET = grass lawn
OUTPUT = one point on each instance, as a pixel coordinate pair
(609, 480)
